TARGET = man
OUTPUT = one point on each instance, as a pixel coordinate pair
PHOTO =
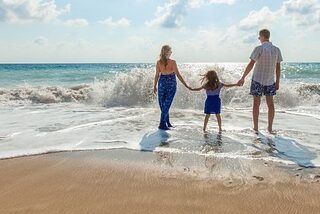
(265, 59)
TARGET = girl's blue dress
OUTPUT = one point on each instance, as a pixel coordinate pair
(213, 101)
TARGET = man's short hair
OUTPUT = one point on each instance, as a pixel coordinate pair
(265, 33)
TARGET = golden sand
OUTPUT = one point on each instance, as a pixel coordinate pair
(54, 184)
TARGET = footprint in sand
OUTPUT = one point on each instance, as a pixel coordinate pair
(259, 178)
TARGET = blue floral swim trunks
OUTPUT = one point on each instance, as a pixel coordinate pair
(258, 89)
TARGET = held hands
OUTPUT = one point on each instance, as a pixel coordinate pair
(240, 82)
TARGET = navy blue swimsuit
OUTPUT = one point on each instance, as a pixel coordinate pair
(213, 101)
(167, 87)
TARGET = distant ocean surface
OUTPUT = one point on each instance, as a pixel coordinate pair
(63, 107)
(13, 75)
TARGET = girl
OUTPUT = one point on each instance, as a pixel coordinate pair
(165, 78)
(210, 82)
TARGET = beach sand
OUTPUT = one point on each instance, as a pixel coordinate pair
(98, 182)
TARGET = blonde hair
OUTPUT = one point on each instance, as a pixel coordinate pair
(210, 80)
(163, 55)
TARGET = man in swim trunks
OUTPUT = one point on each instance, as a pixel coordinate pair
(265, 59)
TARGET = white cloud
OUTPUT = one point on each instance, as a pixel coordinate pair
(229, 2)
(303, 12)
(78, 23)
(123, 22)
(199, 3)
(250, 39)
(301, 7)
(258, 19)
(40, 40)
(30, 10)
(170, 15)
(300, 13)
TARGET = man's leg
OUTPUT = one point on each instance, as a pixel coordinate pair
(270, 104)
(255, 112)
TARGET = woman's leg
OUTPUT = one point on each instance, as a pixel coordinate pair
(171, 88)
(171, 91)
(219, 121)
(162, 94)
(205, 122)
(166, 91)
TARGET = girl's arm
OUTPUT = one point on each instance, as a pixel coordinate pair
(179, 75)
(230, 85)
(156, 78)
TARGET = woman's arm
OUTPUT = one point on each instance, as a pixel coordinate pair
(179, 75)
(196, 89)
(156, 78)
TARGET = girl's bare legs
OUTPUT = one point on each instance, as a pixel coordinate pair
(205, 122)
(219, 121)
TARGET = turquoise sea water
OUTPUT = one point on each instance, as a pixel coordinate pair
(71, 74)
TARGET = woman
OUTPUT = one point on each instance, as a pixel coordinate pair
(166, 71)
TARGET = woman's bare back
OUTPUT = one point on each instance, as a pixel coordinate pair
(169, 69)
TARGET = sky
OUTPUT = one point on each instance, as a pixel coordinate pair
(66, 31)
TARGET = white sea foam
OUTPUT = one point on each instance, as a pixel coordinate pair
(120, 111)
(77, 127)
(135, 89)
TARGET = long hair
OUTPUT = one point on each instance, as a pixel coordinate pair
(163, 55)
(210, 80)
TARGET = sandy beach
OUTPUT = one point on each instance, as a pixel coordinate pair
(96, 182)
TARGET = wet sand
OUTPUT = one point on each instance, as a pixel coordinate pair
(87, 183)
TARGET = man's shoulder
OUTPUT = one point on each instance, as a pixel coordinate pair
(276, 47)
(258, 47)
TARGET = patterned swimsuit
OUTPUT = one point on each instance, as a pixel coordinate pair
(167, 87)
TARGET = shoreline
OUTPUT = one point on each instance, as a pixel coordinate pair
(122, 181)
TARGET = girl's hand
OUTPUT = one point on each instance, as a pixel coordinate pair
(155, 90)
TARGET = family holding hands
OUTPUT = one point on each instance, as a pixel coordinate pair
(265, 59)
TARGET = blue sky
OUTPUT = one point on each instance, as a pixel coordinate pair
(135, 30)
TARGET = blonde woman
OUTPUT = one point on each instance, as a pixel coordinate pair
(165, 78)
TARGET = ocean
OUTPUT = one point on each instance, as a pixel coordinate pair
(73, 107)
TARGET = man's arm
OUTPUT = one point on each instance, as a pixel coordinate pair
(278, 72)
(246, 72)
